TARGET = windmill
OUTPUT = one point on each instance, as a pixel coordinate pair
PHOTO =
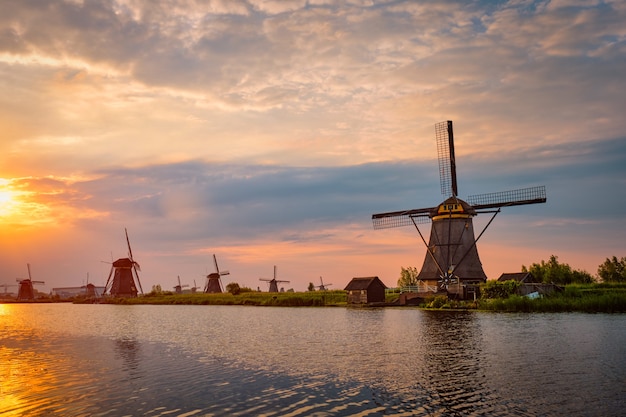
(322, 286)
(273, 282)
(123, 282)
(26, 290)
(214, 281)
(452, 263)
(178, 289)
(6, 286)
(195, 287)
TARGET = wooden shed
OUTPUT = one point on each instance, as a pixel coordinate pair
(366, 290)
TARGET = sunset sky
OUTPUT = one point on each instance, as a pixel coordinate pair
(269, 132)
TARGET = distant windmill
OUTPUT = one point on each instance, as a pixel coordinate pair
(214, 281)
(452, 263)
(179, 288)
(6, 286)
(26, 290)
(123, 282)
(195, 287)
(322, 286)
(273, 282)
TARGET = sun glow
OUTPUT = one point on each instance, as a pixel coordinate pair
(9, 200)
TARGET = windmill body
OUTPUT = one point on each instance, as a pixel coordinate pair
(452, 244)
(123, 284)
(452, 263)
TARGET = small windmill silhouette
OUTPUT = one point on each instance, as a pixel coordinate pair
(123, 282)
(214, 280)
(322, 286)
(273, 282)
(26, 290)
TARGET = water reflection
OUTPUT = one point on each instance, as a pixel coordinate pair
(128, 351)
(205, 360)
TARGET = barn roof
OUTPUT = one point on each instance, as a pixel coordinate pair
(362, 283)
(517, 276)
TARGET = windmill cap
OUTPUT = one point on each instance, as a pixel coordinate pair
(123, 263)
(453, 206)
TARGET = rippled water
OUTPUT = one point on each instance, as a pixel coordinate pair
(63, 359)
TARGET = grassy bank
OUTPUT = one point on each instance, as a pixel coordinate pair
(586, 298)
(285, 299)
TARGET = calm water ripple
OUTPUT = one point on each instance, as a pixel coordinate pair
(103, 360)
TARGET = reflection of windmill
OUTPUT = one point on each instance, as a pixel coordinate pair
(179, 288)
(123, 282)
(273, 282)
(26, 290)
(322, 286)
(214, 281)
(452, 257)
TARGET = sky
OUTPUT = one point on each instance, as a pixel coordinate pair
(268, 133)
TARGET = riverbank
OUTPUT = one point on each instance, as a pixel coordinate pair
(252, 298)
(584, 298)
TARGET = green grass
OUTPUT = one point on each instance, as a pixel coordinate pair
(284, 299)
(587, 298)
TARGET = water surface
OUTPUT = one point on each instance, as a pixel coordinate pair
(64, 359)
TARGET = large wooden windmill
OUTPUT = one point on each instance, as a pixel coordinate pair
(273, 282)
(452, 263)
(124, 272)
(26, 290)
(214, 280)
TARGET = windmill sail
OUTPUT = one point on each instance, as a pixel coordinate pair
(522, 196)
(445, 155)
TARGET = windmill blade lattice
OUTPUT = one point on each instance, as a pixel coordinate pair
(401, 218)
(445, 154)
(522, 196)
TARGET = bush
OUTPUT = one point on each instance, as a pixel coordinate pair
(499, 289)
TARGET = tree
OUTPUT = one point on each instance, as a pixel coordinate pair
(311, 286)
(233, 288)
(408, 276)
(613, 270)
(557, 273)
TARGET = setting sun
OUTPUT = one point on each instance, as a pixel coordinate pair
(8, 199)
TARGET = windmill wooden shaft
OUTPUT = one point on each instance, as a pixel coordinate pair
(452, 263)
